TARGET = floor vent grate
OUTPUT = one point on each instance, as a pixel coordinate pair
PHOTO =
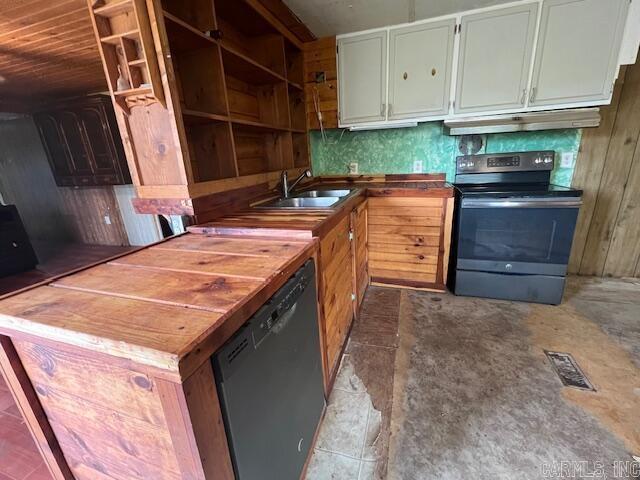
(568, 370)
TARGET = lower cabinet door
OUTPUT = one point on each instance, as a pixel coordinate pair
(405, 241)
(337, 281)
(360, 255)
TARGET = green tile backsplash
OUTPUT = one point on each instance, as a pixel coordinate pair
(394, 150)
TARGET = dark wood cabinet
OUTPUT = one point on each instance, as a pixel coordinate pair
(83, 143)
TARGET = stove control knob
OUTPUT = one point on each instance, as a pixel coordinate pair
(547, 160)
(508, 266)
(463, 164)
(537, 161)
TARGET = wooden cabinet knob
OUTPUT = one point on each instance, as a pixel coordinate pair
(433, 72)
(405, 75)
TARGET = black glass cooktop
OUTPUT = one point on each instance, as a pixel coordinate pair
(518, 190)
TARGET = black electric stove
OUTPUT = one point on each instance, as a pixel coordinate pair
(513, 229)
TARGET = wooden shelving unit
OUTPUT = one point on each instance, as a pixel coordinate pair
(125, 41)
(231, 65)
(232, 76)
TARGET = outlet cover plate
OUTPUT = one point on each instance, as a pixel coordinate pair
(566, 159)
(353, 168)
(417, 166)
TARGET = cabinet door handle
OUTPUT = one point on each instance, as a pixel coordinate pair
(524, 96)
(383, 108)
(532, 97)
(389, 108)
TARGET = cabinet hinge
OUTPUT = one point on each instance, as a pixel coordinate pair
(351, 236)
(457, 29)
(353, 296)
(337, 48)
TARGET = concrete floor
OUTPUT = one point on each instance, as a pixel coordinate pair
(472, 395)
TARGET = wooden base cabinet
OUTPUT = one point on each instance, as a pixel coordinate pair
(336, 289)
(409, 241)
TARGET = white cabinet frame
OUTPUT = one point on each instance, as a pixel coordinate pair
(451, 114)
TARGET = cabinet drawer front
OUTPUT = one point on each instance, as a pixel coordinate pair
(108, 180)
(84, 180)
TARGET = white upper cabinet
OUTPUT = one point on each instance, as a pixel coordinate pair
(495, 59)
(362, 76)
(577, 51)
(420, 60)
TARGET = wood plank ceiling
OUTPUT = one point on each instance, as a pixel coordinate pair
(47, 51)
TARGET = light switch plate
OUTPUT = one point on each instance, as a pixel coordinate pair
(566, 159)
(353, 168)
(417, 166)
(107, 220)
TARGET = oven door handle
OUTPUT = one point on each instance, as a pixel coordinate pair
(521, 203)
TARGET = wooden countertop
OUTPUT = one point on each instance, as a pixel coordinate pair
(168, 306)
(305, 223)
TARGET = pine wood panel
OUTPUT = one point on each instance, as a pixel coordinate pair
(99, 428)
(336, 287)
(360, 253)
(158, 317)
(320, 56)
(411, 252)
(86, 208)
(607, 170)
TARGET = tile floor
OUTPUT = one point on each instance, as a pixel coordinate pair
(439, 387)
(354, 437)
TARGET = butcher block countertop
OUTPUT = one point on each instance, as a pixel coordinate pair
(305, 223)
(168, 306)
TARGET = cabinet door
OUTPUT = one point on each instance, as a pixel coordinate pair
(336, 287)
(577, 53)
(55, 147)
(420, 59)
(94, 124)
(360, 256)
(362, 76)
(70, 126)
(495, 59)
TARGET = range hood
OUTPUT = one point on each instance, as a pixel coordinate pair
(524, 122)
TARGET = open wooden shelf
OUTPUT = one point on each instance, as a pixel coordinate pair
(114, 8)
(183, 36)
(234, 113)
(115, 38)
(197, 14)
(240, 66)
(257, 126)
(194, 117)
(127, 51)
(211, 151)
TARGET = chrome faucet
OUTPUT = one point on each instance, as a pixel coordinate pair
(284, 184)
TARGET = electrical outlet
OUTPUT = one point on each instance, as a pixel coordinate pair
(353, 168)
(566, 159)
(417, 166)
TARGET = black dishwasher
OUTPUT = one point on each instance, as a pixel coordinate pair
(269, 380)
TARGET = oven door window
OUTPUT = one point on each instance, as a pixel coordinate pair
(526, 235)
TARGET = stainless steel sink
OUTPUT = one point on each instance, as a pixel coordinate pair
(301, 202)
(323, 193)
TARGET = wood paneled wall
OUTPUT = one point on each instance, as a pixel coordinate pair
(320, 56)
(87, 207)
(607, 239)
(52, 214)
